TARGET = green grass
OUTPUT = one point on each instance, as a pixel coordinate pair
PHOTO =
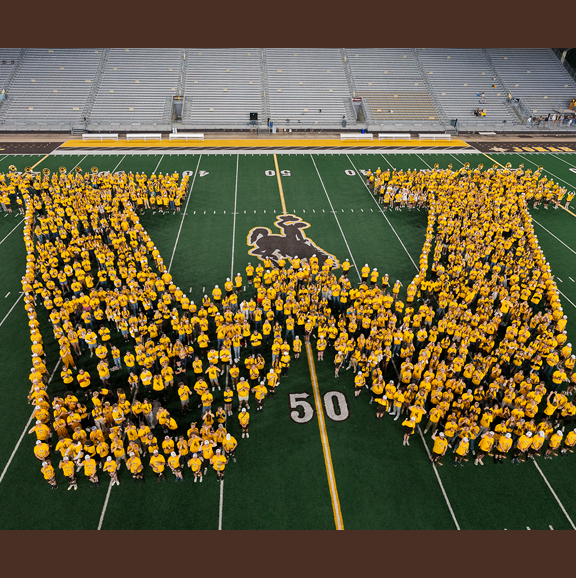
(280, 480)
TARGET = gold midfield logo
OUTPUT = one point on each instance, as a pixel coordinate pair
(291, 243)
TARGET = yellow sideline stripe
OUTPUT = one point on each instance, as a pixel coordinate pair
(280, 184)
(325, 445)
(41, 160)
(268, 142)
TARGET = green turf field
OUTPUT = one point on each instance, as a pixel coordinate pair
(280, 480)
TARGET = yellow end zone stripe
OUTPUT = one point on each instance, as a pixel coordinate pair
(325, 444)
(280, 184)
(250, 143)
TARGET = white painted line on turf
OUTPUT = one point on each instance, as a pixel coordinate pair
(337, 221)
(234, 221)
(184, 215)
(159, 165)
(393, 168)
(571, 279)
(15, 303)
(78, 163)
(550, 527)
(19, 223)
(114, 169)
(439, 480)
(559, 279)
(573, 305)
(563, 160)
(25, 430)
(424, 161)
(220, 509)
(105, 506)
(550, 233)
(6, 294)
(383, 213)
(554, 494)
(528, 527)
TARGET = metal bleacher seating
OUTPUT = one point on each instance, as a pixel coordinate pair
(8, 58)
(389, 80)
(457, 77)
(51, 86)
(536, 76)
(222, 87)
(307, 87)
(136, 87)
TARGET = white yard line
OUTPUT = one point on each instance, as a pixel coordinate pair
(383, 213)
(15, 302)
(424, 161)
(78, 163)
(554, 494)
(114, 169)
(337, 221)
(393, 168)
(19, 223)
(184, 214)
(234, 219)
(159, 165)
(25, 431)
(3, 157)
(221, 505)
(439, 481)
(105, 506)
(563, 160)
(560, 240)
(571, 303)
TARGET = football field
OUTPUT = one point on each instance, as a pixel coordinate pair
(316, 457)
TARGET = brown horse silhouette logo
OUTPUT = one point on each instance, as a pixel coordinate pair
(291, 243)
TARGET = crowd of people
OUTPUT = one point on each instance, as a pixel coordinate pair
(480, 346)
(477, 347)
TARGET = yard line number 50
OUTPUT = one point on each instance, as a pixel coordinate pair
(335, 406)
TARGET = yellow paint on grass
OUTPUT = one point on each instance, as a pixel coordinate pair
(325, 445)
(41, 160)
(280, 185)
(255, 143)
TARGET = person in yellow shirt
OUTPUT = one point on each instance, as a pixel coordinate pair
(49, 475)
(409, 425)
(218, 462)
(42, 451)
(174, 465)
(523, 443)
(461, 451)
(569, 442)
(439, 448)
(229, 444)
(90, 471)
(134, 464)
(260, 391)
(502, 447)
(195, 464)
(157, 463)
(244, 419)
(111, 466)
(67, 467)
(554, 444)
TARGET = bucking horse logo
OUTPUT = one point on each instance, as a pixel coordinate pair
(291, 243)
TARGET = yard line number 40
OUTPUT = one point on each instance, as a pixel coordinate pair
(335, 406)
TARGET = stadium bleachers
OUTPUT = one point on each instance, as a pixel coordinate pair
(131, 89)
(307, 87)
(458, 77)
(222, 86)
(390, 80)
(536, 76)
(51, 86)
(137, 86)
